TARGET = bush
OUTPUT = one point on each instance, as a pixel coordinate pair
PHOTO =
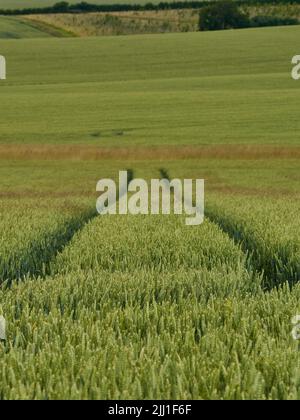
(258, 21)
(222, 15)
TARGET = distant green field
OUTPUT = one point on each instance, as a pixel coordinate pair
(16, 28)
(229, 87)
(144, 307)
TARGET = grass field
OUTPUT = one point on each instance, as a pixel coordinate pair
(145, 307)
(139, 90)
(17, 28)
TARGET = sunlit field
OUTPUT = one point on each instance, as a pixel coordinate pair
(145, 307)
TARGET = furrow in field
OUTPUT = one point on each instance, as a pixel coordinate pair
(267, 229)
(145, 308)
(31, 237)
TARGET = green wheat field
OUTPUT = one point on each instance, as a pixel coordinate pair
(145, 307)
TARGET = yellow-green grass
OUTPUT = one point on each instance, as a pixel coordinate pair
(122, 23)
(278, 10)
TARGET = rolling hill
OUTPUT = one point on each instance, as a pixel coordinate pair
(17, 28)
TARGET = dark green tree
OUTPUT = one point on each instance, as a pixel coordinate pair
(61, 7)
(222, 15)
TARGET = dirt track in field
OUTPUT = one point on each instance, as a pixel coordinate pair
(81, 152)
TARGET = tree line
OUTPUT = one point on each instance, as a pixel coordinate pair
(226, 14)
(84, 7)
